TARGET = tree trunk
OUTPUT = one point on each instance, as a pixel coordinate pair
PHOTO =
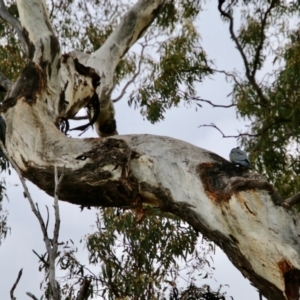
(237, 210)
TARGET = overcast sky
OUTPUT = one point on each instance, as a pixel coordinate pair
(181, 123)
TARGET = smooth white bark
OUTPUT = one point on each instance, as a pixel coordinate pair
(105, 60)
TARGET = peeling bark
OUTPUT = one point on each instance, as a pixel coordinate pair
(237, 210)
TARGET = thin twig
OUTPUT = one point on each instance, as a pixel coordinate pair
(213, 104)
(233, 36)
(133, 77)
(41, 259)
(32, 296)
(77, 118)
(223, 134)
(84, 290)
(12, 297)
(250, 75)
(56, 208)
(52, 9)
(234, 77)
(51, 247)
(263, 131)
(47, 221)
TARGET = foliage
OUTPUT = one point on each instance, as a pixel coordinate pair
(267, 93)
(194, 293)
(4, 228)
(142, 259)
(180, 62)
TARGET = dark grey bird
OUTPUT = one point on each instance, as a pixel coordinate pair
(239, 157)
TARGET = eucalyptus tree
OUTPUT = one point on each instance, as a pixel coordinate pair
(240, 211)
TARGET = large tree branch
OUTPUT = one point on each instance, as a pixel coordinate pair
(107, 57)
(104, 61)
(235, 210)
(40, 80)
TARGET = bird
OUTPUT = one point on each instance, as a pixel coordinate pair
(239, 157)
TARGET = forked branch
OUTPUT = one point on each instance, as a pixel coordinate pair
(263, 130)
(212, 103)
(51, 244)
(249, 74)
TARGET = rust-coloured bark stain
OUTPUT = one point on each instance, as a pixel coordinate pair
(221, 179)
(207, 172)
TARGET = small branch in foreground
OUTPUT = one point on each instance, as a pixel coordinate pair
(32, 296)
(84, 290)
(228, 74)
(12, 297)
(51, 246)
(291, 201)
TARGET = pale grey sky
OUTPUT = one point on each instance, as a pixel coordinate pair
(180, 123)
